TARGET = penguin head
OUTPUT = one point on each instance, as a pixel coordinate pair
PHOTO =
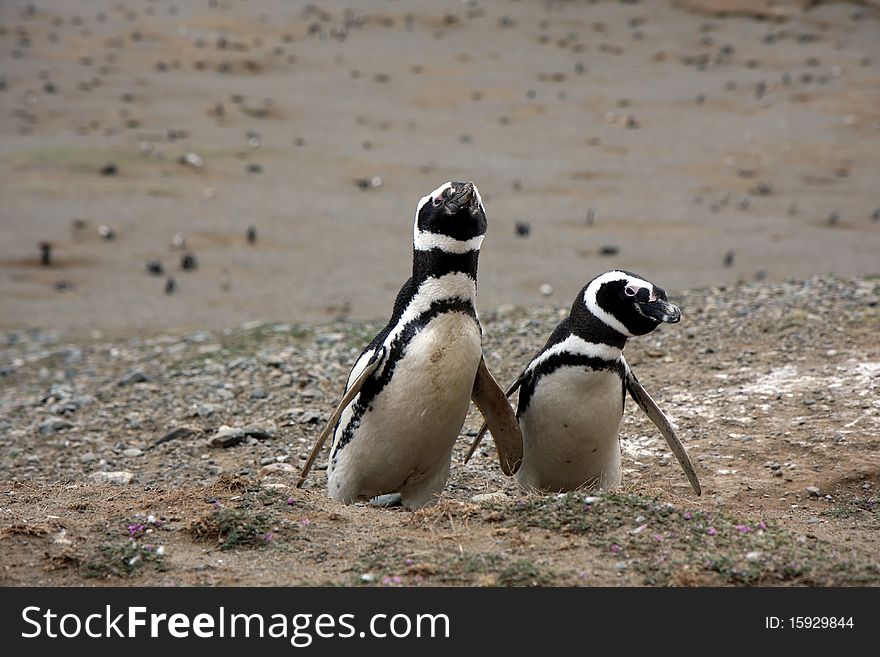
(628, 303)
(450, 218)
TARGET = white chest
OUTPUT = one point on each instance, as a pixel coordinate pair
(570, 430)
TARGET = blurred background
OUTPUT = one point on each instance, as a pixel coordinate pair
(209, 163)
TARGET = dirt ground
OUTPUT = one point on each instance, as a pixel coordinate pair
(727, 149)
(773, 388)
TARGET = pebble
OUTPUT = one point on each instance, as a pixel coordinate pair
(53, 425)
(813, 491)
(134, 376)
(132, 452)
(546, 289)
(275, 469)
(227, 437)
(482, 498)
(117, 478)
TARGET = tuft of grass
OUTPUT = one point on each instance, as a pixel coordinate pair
(123, 560)
(659, 541)
(233, 528)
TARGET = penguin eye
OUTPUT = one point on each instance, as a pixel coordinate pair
(437, 201)
(629, 291)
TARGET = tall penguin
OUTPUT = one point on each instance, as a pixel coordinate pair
(572, 393)
(408, 393)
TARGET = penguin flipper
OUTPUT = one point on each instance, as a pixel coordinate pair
(499, 419)
(643, 399)
(350, 393)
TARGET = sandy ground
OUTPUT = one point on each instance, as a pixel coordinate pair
(773, 388)
(675, 136)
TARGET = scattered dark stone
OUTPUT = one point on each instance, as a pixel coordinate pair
(762, 189)
(170, 286)
(632, 123)
(155, 267)
(252, 235)
(728, 258)
(188, 262)
(109, 169)
(876, 215)
(64, 286)
(609, 250)
(45, 254)
(174, 434)
(523, 228)
(591, 217)
(253, 167)
(760, 275)
(833, 218)
(134, 376)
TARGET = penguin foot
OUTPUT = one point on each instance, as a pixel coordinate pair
(386, 501)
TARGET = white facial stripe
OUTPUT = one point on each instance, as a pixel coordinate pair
(442, 188)
(450, 286)
(479, 199)
(423, 241)
(578, 347)
(593, 305)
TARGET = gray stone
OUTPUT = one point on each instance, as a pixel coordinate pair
(259, 393)
(134, 376)
(53, 425)
(131, 452)
(227, 437)
(496, 496)
(88, 457)
(118, 478)
(813, 491)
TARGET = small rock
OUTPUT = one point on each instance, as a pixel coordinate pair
(259, 393)
(260, 432)
(132, 452)
(179, 432)
(118, 478)
(88, 457)
(609, 250)
(523, 228)
(53, 425)
(154, 266)
(275, 468)
(497, 496)
(227, 437)
(813, 491)
(134, 376)
(109, 169)
(546, 289)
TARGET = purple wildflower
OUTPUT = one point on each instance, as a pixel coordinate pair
(409, 562)
(615, 548)
(290, 501)
(711, 531)
(688, 515)
(743, 529)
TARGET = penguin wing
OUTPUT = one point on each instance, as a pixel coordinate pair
(643, 399)
(350, 393)
(499, 419)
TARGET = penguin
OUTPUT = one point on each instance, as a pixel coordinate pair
(572, 393)
(407, 395)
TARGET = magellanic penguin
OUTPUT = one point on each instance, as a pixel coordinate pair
(572, 394)
(408, 393)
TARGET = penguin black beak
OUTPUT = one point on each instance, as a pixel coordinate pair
(460, 198)
(660, 310)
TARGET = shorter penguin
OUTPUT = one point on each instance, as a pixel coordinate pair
(572, 394)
